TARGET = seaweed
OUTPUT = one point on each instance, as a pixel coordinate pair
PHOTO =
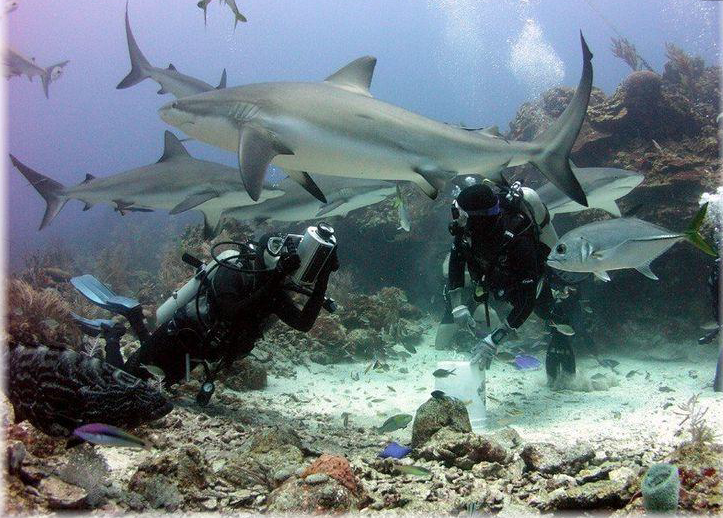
(623, 49)
(39, 316)
(695, 424)
(684, 69)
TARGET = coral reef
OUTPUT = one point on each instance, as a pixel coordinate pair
(39, 315)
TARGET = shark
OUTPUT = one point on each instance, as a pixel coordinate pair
(336, 127)
(18, 65)
(344, 195)
(602, 186)
(177, 183)
(170, 80)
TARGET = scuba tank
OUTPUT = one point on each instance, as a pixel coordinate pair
(188, 292)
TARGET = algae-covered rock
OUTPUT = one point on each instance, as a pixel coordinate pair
(245, 375)
(463, 450)
(604, 494)
(546, 458)
(438, 413)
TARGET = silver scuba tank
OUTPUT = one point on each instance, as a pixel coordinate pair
(314, 249)
(188, 291)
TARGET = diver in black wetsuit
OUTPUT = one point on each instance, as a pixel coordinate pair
(220, 313)
(499, 240)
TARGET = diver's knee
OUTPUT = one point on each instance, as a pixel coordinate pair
(445, 336)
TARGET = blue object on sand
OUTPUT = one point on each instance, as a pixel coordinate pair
(525, 362)
(394, 450)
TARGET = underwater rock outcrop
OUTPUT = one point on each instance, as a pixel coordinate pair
(436, 414)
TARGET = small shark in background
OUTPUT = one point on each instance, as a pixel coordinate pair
(602, 186)
(344, 195)
(10, 6)
(203, 5)
(170, 79)
(621, 243)
(18, 65)
(337, 128)
(238, 17)
(177, 182)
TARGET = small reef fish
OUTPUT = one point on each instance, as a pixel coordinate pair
(345, 419)
(631, 374)
(525, 362)
(410, 348)
(505, 356)
(597, 376)
(665, 389)
(563, 328)
(417, 471)
(395, 451)
(156, 372)
(443, 373)
(396, 422)
(106, 435)
(403, 212)
(391, 388)
(438, 394)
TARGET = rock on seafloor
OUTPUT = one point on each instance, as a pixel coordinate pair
(438, 413)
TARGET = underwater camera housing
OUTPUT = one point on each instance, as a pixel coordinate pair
(314, 248)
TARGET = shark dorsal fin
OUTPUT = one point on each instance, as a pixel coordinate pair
(171, 67)
(172, 147)
(88, 178)
(356, 76)
(222, 83)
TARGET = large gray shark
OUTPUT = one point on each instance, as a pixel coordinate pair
(343, 194)
(18, 65)
(337, 128)
(177, 182)
(602, 186)
(170, 79)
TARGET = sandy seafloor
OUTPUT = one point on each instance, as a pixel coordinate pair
(633, 413)
(631, 416)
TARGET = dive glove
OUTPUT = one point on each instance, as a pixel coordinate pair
(486, 349)
(463, 319)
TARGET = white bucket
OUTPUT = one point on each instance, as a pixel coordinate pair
(466, 384)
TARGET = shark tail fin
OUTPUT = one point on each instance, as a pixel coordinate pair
(693, 234)
(49, 189)
(556, 141)
(139, 63)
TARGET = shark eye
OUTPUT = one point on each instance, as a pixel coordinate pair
(561, 249)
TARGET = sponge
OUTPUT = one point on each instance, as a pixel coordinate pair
(661, 486)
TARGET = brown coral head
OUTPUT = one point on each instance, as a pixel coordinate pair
(642, 90)
(337, 468)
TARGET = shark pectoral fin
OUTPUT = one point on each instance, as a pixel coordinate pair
(432, 180)
(611, 207)
(193, 201)
(87, 206)
(171, 67)
(645, 270)
(355, 77)
(172, 147)
(256, 149)
(211, 223)
(161, 91)
(602, 275)
(303, 179)
(327, 208)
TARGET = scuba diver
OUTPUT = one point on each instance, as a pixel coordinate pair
(503, 241)
(218, 315)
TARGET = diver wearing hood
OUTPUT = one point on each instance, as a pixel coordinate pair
(222, 311)
(503, 241)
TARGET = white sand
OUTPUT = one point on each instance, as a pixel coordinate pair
(629, 416)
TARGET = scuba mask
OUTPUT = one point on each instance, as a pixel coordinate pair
(461, 216)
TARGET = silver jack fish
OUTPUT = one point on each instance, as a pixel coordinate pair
(622, 243)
